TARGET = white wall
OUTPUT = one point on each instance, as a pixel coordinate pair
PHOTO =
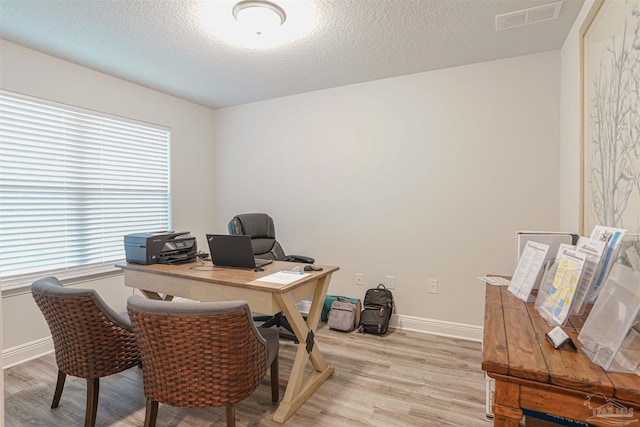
(421, 176)
(571, 126)
(32, 73)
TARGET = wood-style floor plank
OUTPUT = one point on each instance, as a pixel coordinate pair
(402, 379)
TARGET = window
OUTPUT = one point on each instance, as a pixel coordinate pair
(73, 182)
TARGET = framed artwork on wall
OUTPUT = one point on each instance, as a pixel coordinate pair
(610, 45)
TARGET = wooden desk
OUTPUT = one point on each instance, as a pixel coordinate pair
(207, 283)
(531, 374)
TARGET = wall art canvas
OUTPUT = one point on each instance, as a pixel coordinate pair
(611, 117)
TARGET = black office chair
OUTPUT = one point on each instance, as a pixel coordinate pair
(265, 246)
(263, 237)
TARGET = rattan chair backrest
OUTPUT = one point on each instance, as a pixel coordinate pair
(90, 340)
(198, 355)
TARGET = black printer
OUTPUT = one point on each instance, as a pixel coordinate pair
(160, 248)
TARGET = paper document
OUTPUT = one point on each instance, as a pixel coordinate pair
(558, 303)
(594, 251)
(283, 277)
(613, 237)
(495, 281)
(529, 267)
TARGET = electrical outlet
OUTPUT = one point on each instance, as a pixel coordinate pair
(359, 279)
(433, 286)
(390, 282)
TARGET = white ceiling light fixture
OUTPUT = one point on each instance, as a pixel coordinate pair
(259, 15)
(223, 19)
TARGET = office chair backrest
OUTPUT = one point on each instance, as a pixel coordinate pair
(263, 234)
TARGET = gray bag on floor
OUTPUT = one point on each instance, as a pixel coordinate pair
(342, 315)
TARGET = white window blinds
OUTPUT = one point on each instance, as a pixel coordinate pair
(72, 184)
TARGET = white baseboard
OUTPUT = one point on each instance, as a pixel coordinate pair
(25, 352)
(438, 327)
(34, 349)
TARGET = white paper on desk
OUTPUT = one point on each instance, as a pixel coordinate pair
(529, 267)
(282, 277)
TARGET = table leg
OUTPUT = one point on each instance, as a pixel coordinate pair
(300, 389)
(506, 405)
(156, 296)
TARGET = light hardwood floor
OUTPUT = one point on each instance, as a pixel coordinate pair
(401, 379)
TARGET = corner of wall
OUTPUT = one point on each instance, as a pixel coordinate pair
(571, 127)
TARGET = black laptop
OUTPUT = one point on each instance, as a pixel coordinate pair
(233, 251)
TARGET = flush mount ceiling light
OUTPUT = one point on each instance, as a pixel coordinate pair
(222, 20)
(259, 15)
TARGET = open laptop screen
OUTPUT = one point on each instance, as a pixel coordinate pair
(233, 251)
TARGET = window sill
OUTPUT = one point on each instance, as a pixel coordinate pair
(25, 287)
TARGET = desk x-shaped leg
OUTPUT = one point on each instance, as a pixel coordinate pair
(300, 389)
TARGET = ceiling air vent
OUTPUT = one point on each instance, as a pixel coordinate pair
(529, 16)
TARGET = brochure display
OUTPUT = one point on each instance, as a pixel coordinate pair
(611, 334)
(517, 358)
(556, 295)
(613, 238)
(528, 270)
(552, 238)
(531, 376)
(594, 251)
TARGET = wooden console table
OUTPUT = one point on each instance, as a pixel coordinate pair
(531, 374)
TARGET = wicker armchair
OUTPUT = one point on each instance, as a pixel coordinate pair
(198, 355)
(90, 339)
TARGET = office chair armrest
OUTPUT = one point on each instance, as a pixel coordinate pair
(300, 258)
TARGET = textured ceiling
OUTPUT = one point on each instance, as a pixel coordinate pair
(161, 44)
